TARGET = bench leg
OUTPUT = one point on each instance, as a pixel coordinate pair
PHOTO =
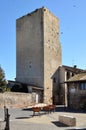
(38, 113)
(33, 113)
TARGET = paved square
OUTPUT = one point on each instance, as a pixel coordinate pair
(23, 119)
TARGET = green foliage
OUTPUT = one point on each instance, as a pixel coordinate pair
(2, 80)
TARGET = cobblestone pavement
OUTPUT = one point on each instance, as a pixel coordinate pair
(22, 119)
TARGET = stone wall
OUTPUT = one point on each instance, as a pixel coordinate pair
(13, 99)
(67, 120)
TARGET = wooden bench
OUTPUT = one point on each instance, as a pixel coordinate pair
(36, 109)
(49, 108)
(67, 120)
(52, 108)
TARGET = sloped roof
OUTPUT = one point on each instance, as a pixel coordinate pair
(78, 77)
(73, 69)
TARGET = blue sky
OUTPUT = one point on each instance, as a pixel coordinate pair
(72, 16)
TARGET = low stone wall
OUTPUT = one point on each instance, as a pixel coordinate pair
(13, 99)
(67, 120)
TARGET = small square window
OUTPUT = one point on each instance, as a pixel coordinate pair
(83, 86)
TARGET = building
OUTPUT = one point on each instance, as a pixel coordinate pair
(64, 74)
(77, 91)
(38, 52)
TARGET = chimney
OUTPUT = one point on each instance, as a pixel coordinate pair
(75, 66)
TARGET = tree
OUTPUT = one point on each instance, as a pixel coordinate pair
(2, 80)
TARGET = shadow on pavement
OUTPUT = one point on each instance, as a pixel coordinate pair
(66, 109)
(59, 124)
(27, 109)
(23, 117)
(77, 129)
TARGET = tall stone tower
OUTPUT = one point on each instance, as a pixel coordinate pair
(38, 50)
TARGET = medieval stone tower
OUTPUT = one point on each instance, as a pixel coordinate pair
(38, 50)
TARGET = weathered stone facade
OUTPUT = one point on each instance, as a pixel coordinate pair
(77, 91)
(52, 53)
(65, 73)
(38, 50)
(29, 47)
(76, 97)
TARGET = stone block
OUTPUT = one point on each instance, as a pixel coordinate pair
(67, 120)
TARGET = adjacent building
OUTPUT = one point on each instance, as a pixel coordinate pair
(64, 74)
(77, 91)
